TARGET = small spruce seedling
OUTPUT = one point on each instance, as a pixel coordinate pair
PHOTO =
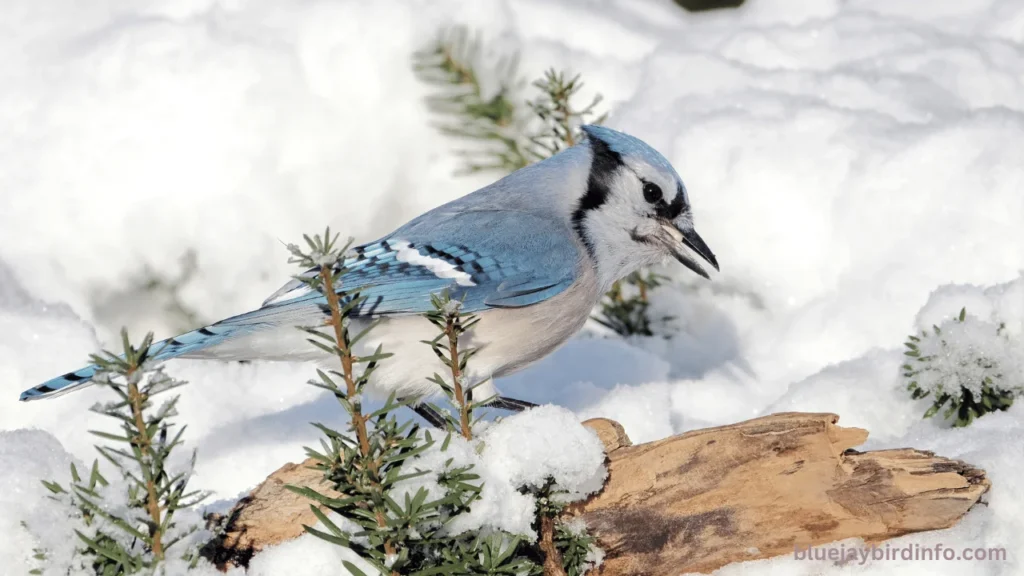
(394, 534)
(133, 532)
(451, 323)
(625, 308)
(394, 529)
(958, 377)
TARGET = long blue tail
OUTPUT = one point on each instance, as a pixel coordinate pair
(171, 348)
(270, 316)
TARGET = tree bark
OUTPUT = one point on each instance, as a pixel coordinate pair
(703, 499)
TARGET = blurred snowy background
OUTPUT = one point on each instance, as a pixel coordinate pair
(856, 167)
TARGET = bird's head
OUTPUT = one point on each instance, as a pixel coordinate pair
(634, 210)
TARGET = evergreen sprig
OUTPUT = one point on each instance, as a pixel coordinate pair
(136, 536)
(451, 323)
(391, 521)
(577, 547)
(560, 121)
(513, 132)
(396, 534)
(962, 404)
(625, 308)
(492, 118)
(566, 549)
(325, 259)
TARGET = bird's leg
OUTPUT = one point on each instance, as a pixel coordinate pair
(435, 419)
(427, 412)
(510, 404)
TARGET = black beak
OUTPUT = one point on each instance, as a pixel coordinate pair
(694, 242)
(684, 242)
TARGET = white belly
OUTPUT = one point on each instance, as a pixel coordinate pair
(507, 340)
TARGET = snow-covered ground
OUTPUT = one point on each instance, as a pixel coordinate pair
(846, 160)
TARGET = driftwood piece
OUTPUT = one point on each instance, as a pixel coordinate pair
(707, 498)
(269, 515)
(757, 489)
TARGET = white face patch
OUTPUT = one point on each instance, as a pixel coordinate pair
(611, 229)
(441, 268)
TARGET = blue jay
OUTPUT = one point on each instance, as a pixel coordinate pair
(530, 254)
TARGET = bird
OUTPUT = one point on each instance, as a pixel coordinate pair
(530, 255)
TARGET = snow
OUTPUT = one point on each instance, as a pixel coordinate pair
(318, 558)
(855, 166)
(560, 448)
(36, 520)
(1001, 305)
(26, 456)
(969, 355)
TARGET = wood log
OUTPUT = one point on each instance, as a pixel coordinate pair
(703, 499)
(757, 489)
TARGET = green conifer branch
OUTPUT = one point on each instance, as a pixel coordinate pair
(402, 531)
(560, 121)
(451, 323)
(962, 405)
(154, 494)
(626, 307)
(469, 111)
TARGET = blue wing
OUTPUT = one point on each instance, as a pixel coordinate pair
(488, 259)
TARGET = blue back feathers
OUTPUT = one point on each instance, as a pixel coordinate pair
(486, 258)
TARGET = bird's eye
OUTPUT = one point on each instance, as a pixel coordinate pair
(652, 193)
